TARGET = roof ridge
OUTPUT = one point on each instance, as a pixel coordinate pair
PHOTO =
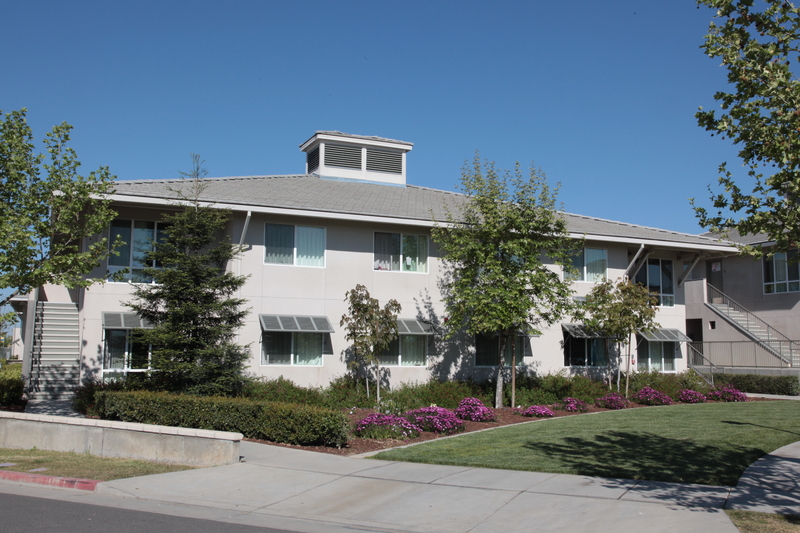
(219, 178)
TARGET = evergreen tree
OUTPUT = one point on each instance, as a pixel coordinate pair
(191, 303)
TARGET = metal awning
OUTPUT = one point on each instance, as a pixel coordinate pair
(301, 323)
(412, 326)
(664, 335)
(124, 321)
(579, 331)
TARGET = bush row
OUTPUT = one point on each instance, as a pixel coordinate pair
(278, 422)
(756, 383)
(11, 384)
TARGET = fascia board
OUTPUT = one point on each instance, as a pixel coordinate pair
(729, 248)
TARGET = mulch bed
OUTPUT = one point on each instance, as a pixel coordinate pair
(18, 407)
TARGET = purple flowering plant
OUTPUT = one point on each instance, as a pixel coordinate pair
(613, 400)
(474, 410)
(650, 396)
(537, 411)
(436, 419)
(691, 396)
(572, 405)
(727, 394)
(383, 426)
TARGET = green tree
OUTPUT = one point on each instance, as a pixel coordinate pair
(494, 247)
(370, 327)
(191, 303)
(49, 214)
(758, 45)
(617, 311)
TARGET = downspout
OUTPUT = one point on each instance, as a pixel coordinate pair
(688, 271)
(27, 349)
(241, 259)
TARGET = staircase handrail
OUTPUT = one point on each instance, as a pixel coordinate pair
(714, 292)
(713, 367)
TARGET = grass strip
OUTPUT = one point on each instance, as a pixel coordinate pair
(79, 465)
(710, 444)
(752, 522)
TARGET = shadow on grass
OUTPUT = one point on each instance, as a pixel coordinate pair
(736, 423)
(619, 454)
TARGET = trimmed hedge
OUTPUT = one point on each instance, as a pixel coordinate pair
(277, 422)
(11, 384)
(760, 384)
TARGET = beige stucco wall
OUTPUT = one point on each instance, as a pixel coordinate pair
(285, 289)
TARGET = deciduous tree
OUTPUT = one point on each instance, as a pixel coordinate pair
(495, 244)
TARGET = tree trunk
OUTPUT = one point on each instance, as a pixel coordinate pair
(378, 382)
(498, 393)
(513, 371)
(628, 373)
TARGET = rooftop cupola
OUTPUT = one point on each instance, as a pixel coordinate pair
(333, 154)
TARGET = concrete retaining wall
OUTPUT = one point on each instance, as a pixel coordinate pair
(104, 438)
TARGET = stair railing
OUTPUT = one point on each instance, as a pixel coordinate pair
(697, 359)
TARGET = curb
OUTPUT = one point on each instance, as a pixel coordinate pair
(51, 481)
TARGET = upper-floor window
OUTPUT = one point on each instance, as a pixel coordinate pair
(782, 273)
(657, 276)
(286, 244)
(590, 265)
(397, 251)
(138, 237)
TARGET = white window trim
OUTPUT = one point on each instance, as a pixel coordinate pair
(294, 249)
(126, 369)
(399, 362)
(112, 269)
(647, 279)
(292, 364)
(764, 284)
(583, 275)
(675, 350)
(402, 256)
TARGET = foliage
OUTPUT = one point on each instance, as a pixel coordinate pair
(761, 115)
(191, 303)
(668, 383)
(84, 400)
(587, 389)
(435, 419)
(11, 383)
(727, 394)
(572, 405)
(369, 327)
(536, 397)
(691, 396)
(381, 426)
(537, 411)
(48, 210)
(474, 410)
(282, 390)
(761, 384)
(493, 249)
(650, 396)
(273, 421)
(345, 391)
(613, 400)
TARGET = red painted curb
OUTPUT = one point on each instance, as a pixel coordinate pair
(52, 481)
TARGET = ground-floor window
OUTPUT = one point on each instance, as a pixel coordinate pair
(487, 348)
(406, 350)
(657, 356)
(585, 351)
(123, 353)
(292, 348)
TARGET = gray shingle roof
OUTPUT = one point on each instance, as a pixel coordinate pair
(312, 193)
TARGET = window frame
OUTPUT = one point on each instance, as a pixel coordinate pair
(790, 270)
(127, 355)
(158, 236)
(665, 299)
(402, 258)
(264, 359)
(646, 344)
(568, 352)
(583, 273)
(521, 341)
(296, 228)
(395, 350)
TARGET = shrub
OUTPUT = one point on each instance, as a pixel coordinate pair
(536, 397)
(727, 394)
(667, 383)
(559, 385)
(11, 384)
(691, 396)
(537, 411)
(347, 391)
(586, 389)
(273, 421)
(758, 384)
(573, 405)
(435, 419)
(84, 399)
(446, 394)
(381, 426)
(474, 410)
(612, 401)
(650, 396)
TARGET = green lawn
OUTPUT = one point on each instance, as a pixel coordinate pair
(706, 443)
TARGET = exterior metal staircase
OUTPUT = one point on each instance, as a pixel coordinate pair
(55, 354)
(767, 337)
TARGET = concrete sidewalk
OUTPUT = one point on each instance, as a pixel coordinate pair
(306, 491)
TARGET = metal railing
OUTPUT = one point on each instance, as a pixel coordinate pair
(700, 363)
(748, 354)
(772, 340)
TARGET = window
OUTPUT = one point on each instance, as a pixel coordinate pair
(488, 346)
(782, 273)
(657, 356)
(582, 348)
(294, 245)
(406, 350)
(292, 348)
(123, 353)
(138, 237)
(396, 251)
(591, 265)
(656, 275)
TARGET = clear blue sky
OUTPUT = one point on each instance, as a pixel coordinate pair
(601, 95)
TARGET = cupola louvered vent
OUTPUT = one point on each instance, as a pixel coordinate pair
(312, 160)
(343, 156)
(384, 161)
